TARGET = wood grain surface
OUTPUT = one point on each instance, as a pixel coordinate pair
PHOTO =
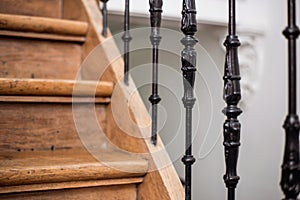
(119, 192)
(46, 126)
(23, 168)
(25, 58)
(44, 36)
(42, 8)
(42, 25)
(70, 185)
(54, 87)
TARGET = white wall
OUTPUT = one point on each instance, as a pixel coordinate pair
(262, 134)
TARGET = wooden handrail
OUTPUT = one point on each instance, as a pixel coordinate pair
(55, 87)
(42, 25)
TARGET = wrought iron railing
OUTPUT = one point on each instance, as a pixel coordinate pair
(155, 20)
(104, 19)
(188, 59)
(290, 181)
(232, 96)
(126, 38)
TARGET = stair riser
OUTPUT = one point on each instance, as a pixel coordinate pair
(24, 58)
(45, 126)
(127, 192)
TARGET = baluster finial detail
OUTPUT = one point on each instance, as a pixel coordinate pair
(290, 177)
(188, 59)
(155, 38)
(232, 96)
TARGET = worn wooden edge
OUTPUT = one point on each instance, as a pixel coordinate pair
(42, 25)
(55, 87)
(162, 183)
(129, 129)
(69, 185)
(43, 36)
(49, 99)
(45, 167)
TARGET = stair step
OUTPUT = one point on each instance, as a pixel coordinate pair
(76, 166)
(54, 99)
(70, 185)
(55, 87)
(117, 192)
(44, 36)
(42, 25)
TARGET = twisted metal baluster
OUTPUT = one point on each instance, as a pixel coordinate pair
(188, 59)
(232, 96)
(104, 15)
(126, 38)
(290, 179)
(155, 20)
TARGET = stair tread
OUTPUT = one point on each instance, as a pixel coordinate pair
(42, 25)
(55, 87)
(38, 167)
(43, 36)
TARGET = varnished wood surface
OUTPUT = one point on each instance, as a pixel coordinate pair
(162, 183)
(129, 129)
(54, 87)
(45, 126)
(42, 8)
(25, 58)
(49, 99)
(73, 10)
(42, 25)
(44, 36)
(69, 185)
(67, 165)
(119, 192)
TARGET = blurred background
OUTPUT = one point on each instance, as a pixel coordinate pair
(263, 63)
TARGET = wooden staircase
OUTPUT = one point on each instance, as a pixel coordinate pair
(42, 80)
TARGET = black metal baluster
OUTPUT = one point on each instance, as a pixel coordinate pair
(232, 96)
(104, 15)
(290, 179)
(155, 20)
(188, 59)
(126, 38)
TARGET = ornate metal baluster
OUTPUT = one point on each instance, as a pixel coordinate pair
(155, 20)
(126, 38)
(290, 180)
(104, 14)
(232, 96)
(188, 59)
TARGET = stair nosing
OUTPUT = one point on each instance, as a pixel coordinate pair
(81, 166)
(42, 25)
(55, 87)
(69, 185)
(43, 36)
